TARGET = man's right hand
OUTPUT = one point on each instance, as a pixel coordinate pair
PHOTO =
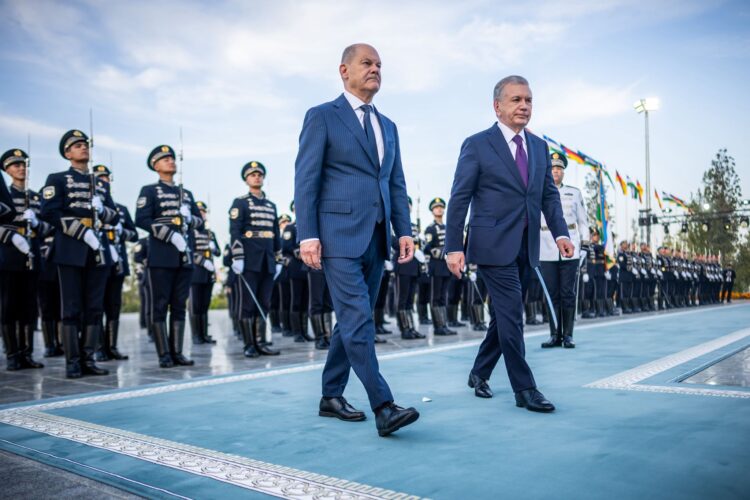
(456, 263)
(311, 252)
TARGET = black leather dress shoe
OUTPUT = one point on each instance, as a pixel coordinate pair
(389, 418)
(533, 400)
(339, 408)
(480, 386)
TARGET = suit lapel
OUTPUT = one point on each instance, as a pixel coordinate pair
(388, 146)
(497, 141)
(345, 112)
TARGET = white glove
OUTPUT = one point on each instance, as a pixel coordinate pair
(585, 277)
(388, 265)
(21, 244)
(212, 246)
(179, 242)
(209, 266)
(238, 265)
(91, 240)
(473, 277)
(118, 228)
(608, 275)
(419, 255)
(676, 274)
(113, 253)
(279, 267)
(635, 272)
(96, 203)
(30, 216)
(185, 212)
(643, 272)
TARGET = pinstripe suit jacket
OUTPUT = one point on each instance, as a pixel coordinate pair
(338, 185)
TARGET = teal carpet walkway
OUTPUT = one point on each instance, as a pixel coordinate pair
(625, 426)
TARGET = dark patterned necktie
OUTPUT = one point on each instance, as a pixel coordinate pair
(370, 132)
(522, 161)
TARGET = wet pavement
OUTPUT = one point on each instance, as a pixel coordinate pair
(733, 371)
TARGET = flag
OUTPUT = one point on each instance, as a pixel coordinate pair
(602, 214)
(633, 189)
(621, 182)
(572, 155)
(640, 190)
(656, 193)
(609, 177)
(553, 145)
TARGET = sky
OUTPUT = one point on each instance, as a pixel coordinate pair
(238, 77)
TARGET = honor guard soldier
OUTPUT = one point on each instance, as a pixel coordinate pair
(140, 257)
(204, 277)
(612, 275)
(729, 276)
(230, 288)
(406, 276)
(662, 265)
(649, 279)
(298, 285)
(116, 236)
(19, 263)
(560, 274)
(597, 271)
(168, 213)
(282, 289)
(77, 205)
(254, 231)
(587, 290)
(439, 274)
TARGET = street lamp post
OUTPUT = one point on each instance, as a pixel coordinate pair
(644, 106)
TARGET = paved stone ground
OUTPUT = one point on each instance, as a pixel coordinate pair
(22, 478)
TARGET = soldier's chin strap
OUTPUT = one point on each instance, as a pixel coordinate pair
(552, 313)
(257, 304)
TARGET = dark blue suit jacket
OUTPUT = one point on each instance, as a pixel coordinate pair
(338, 185)
(487, 178)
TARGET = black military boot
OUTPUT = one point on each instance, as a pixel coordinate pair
(304, 321)
(273, 317)
(49, 333)
(444, 318)
(452, 315)
(529, 310)
(26, 347)
(600, 311)
(113, 329)
(246, 327)
(403, 326)
(328, 326)
(319, 331)
(438, 322)
(295, 320)
(379, 318)
(159, 334)
(12, 355)
(588, 310)
(208, 339)
(195, 330)
(102, 348)
(72, 350)
(410, 320)
(176, 338)
(259, 335)
(422, 313)
(555, 338)
(568, 321)
(92, 335)
(478, 311)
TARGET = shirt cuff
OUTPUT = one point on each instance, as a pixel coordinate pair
(309, 239)
(561, 238)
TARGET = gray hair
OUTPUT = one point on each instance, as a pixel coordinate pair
(505, 81)
(349, 52)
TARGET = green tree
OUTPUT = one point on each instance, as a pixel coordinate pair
(742, 266)
(591, 196)
(721, 194)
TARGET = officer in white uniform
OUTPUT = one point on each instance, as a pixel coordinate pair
(559, 273)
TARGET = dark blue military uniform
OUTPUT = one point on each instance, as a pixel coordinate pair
(255, 240)
(68, 204)
(439, 273)
(140, 257)
(406, 286)
(202, 284)
(19, 272)
(298, 285)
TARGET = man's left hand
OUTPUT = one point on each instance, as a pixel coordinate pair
(406, 249)
(566, 247)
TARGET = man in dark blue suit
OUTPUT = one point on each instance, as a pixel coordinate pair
(505, 174)
(348, 188)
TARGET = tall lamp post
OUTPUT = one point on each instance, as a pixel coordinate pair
(644, 106)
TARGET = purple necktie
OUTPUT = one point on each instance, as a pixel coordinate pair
(522, 161)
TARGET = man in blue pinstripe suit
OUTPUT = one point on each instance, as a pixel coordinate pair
(349, 188)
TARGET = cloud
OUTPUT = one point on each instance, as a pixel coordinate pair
(577, 101)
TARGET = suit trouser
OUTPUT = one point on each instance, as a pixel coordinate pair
(82, 292)
(169, 289)
(320, 296)
(354, 285)
(506, 286)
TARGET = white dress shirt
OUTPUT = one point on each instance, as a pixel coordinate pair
(356, 104)
(508, 135)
